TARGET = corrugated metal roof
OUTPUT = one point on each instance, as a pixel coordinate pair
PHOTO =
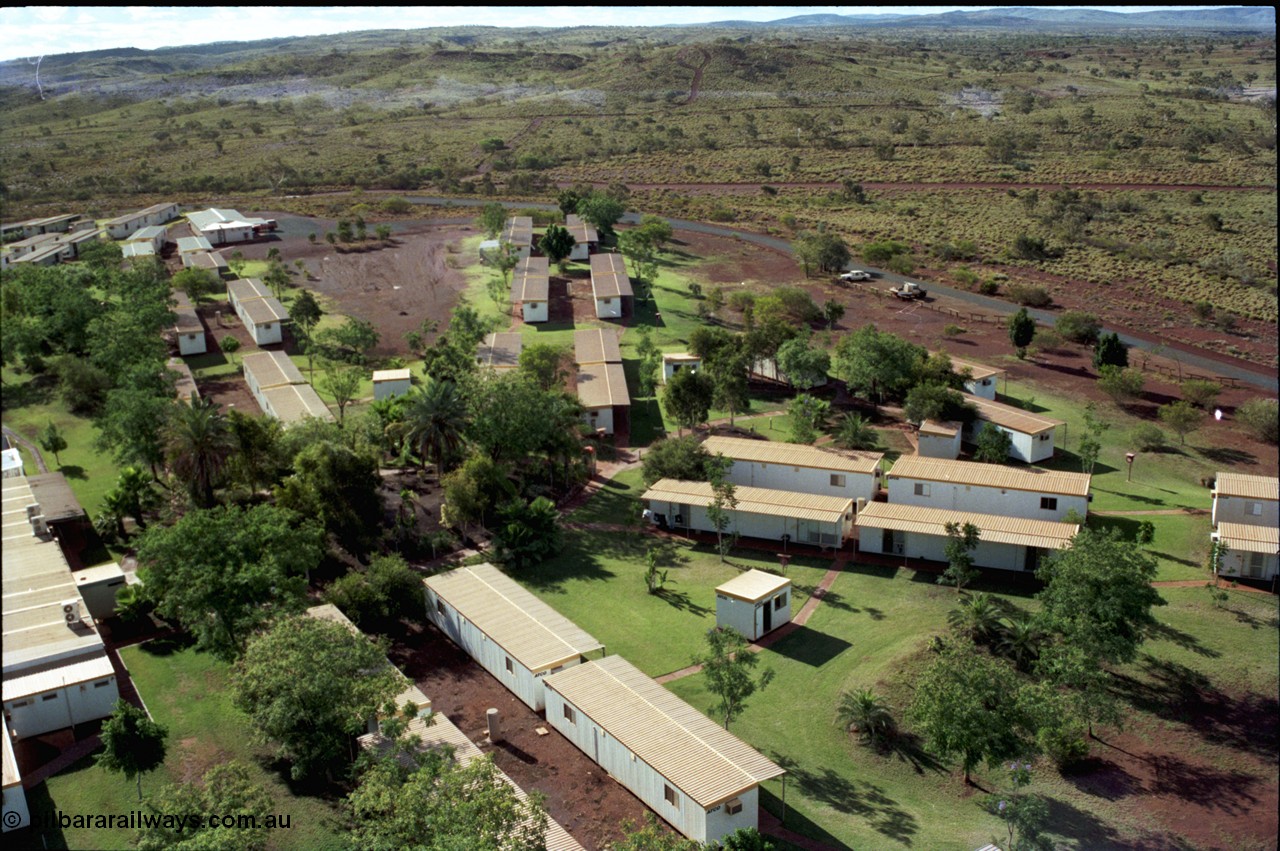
(1010, 417)
(150, 232)
(186, 383)
(501, 350)
(945, 428)
(242, 289)
(185, 317)
(990, 475)
(753, 586)
(795, 455)
(440, 733)
(601, 385)
(294, 402)
(582, 232)
(994, 528)
(191, 244)
(272, 369)
(530, 631)
(1250, 539)
(154, 208)
(260, 310)
(211, 260)
(609, 276)
(680, 357)
(596, 345)
(1253, 487)
(57, 501)
(518, 230)
(82, 670)
(773, 503)
(706, 762)
(531, 281)
(392, 374)
(137, 249)
(979, 371)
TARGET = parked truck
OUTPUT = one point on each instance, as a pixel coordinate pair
(909, 291)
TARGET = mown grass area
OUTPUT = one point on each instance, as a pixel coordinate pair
(598, 583)
(1181, 545)
(29, 405)
(188, 692)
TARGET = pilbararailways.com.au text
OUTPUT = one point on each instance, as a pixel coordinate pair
(138, 820)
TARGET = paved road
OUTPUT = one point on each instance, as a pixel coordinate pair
(1190, 358)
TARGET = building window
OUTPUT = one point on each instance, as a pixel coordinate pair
(569, 714)
(1049, 503)
(1255, 508)
(922, 489)
(511, 669)
(669, 795)
(19, 703)
(1255, 565)
(53, 696)
(102, 684)
(779, 602)
(439, 606)
(837, 480)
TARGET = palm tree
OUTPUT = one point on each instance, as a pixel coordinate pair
(435, 416)
(1020, 641)
(854, 432)
(977, 617)
(864, 711)
(197, 446)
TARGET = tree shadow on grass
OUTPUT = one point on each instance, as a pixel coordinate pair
(37, 391)
(680, 600)
(1098, 777)
(73, 471)
(45, 831)
(858, 798)
(1228, 455)
(1186, 641)
(908, 748)
(168, 646)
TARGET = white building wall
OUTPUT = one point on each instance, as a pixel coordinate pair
(388, 389)
(719, 823)
(609, 308)
(1242, 509)
(670, 368)
(61, 707)
(1250, 565)
(786, 477)
(983, 387)
(933, 548)
(984, 500)
(266, 333)
(764, 526)
(748, 618)
(581, 251)
(15, 801)
(599, 418)
(938, 446)
(192, 343)
(534, 311)
(224, 236)
(1028, 448)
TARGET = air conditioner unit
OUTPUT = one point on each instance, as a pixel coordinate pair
(33, 510)
(733, 807)
(71, 611)
(39, 526)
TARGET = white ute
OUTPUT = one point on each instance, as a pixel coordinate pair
(856, 275)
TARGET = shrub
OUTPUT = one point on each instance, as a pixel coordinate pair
(1122, 384)
(1148, 438)
(902, 264)
(952, 330)
(1078, 327)
(396, 205)
(1200, 392)
(1260, 418)
(965, 276)
(884, 250)
(989, 287)
(1064, 743)
(1027, 247)
(1031, 296)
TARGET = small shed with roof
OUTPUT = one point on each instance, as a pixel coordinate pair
(610, 286)
(187, 327)
(510, 632)
(586, 239)
(939, 439)
(673, 362)
(531, 289)
(754, 603)
(389, 383)
(500, 351)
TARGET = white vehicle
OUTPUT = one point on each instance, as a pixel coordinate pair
(856, 275)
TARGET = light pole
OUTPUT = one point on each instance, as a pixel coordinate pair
(1128, 457)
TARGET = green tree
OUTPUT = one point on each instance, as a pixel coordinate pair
(962, 540)
(1110, 352)
(493, 218)
(652, 837)
(277, 278)
(1098, 595)
(1200, 392)
(230, 345)
(1091, 440)
(1022, 330)
(567, 200)
(546, 364)
(804, 364)
(1261, 418)
(992, 445)
(809, 416)
(1078, 326)
(529, 533)
(680, 458)
(132, 495)
(197, 446)
(724, 499)
(1122, 384)
(342, 383)
(727, 372)
(310, 686)
(350, 341)
(933, 401)
(196, 283)
(1182, 417)
(853, 431)
(435, 417)
(224, 572)
(338, 486)
(968, 705)
(226, 789)
(51, 440)
(686, 398)
(601, 210)
(977, 617)
(305, 313)
(877, 365)
(730, 671)
(832, 311)
(556, 243)
(132, 743)
(255, 463)
(378, 597)
(866, 712)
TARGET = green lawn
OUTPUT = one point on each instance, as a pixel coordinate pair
(188, 692)
(1181, 545)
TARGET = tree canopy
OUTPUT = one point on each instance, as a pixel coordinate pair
(876, 364)
(687, 398)
(729, 669)
(132, 743)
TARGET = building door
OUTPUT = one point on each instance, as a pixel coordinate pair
(768, 615)
(1033, 558)
(899, 543)
(886, 541)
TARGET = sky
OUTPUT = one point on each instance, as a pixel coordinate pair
(30, 31)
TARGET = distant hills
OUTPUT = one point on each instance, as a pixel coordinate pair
(1032, 18)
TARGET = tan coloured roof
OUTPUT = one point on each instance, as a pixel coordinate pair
(773, 503)
(211, 260)
(581, 231)
(186, 383)
(601, 385)
(501, 350)
(794, 455)
(1010, 417)
(609, 276)
(531, 281)
(246, 288)
(994, 528)
(519, 230)
(944, 428)
(990, 475)
(706, 762)
(260, 310)
(753, 586)
(57, 501)
(36, 582)
(295, 402)
(129, 217)
(1250, 539)
(271, 369)
(596, 345)
(1253, 487)
(979, 371)
(530, 631)
(38, 681)
(440, 733)
(680, 357)
(186, 318)
(392, 374)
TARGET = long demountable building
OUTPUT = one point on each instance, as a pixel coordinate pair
(601, 381)
(610, 286)
(157, 214)
(500, 351)
(808, 469)
(262, 313)
(511, 633)
(1029, 492)
(1246, 514)
(701, 779)
(913, 531)
(775, 515)
(280, 390)
(531, 289)
(518, 233)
